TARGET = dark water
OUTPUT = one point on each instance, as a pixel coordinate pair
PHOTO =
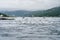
(30, 28)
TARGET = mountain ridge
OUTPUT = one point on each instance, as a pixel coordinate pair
(39, 13)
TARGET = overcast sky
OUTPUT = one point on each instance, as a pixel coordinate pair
(28, 4)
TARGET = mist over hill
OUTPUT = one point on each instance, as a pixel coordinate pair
(40, 13)
(17, 13)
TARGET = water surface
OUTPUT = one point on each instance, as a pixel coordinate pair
(30, 28)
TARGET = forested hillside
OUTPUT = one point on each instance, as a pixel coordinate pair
(49, 13)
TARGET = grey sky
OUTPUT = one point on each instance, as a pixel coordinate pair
(28, 4)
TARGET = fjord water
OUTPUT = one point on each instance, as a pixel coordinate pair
(30, 28)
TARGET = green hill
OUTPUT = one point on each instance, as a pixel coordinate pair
(3, 15)
(54, 12)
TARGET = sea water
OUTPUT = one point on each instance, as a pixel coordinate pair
(30, 28)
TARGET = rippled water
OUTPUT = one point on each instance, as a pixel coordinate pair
(30, 28)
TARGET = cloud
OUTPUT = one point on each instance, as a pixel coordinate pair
(28, 4)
